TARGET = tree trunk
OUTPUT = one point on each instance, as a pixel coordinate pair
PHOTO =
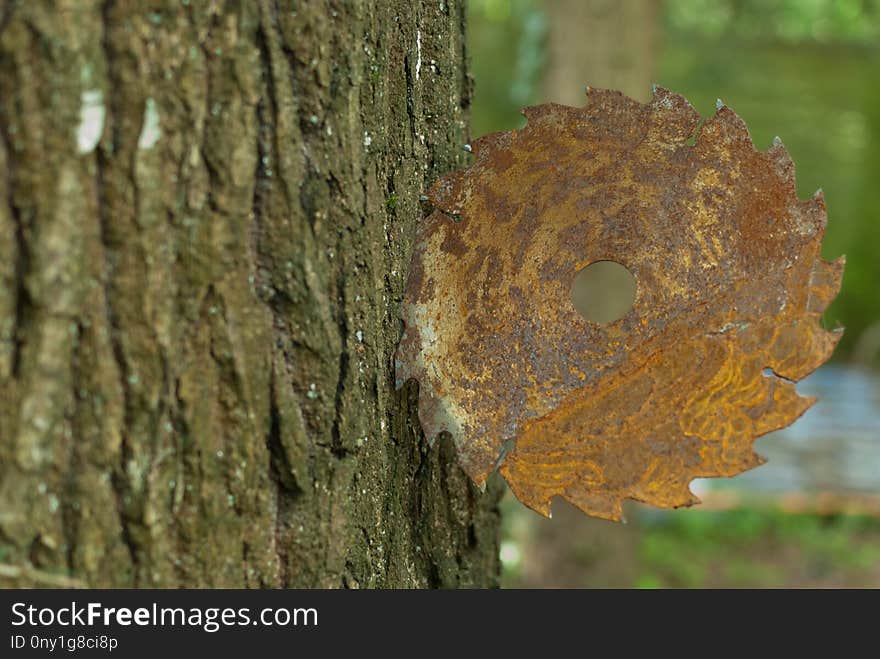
(601, 43)
(206, 215)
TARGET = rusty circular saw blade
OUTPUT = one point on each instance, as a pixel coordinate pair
(730, 291)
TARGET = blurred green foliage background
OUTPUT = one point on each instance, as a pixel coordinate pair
(805, 70)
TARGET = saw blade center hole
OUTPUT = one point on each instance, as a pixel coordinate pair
(603, 292)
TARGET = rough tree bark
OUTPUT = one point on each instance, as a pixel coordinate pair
(206, 215)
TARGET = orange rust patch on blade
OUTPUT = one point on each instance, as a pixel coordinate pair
(729, 283)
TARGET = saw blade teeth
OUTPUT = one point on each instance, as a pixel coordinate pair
(401, 374)
(486, 145)
(825, 284)
(449, 192)
(536, 112)
(673, 118)
(725, 130)
(801, 348)
(686, 498)
(605, 505)
(814, 214)
(752, 460)
(834, 272)
(432, 416)
(693, 498)
(536, 498)
(611, 103)
(784, 166)
(543, 509)
(824, 343)
(665, 99)
(658, 94)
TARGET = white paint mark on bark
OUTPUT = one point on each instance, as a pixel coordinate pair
(151, 131)
(91, 121)
(418, 53)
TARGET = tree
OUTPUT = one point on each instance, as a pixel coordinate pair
(602, 43)
(206, 215)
